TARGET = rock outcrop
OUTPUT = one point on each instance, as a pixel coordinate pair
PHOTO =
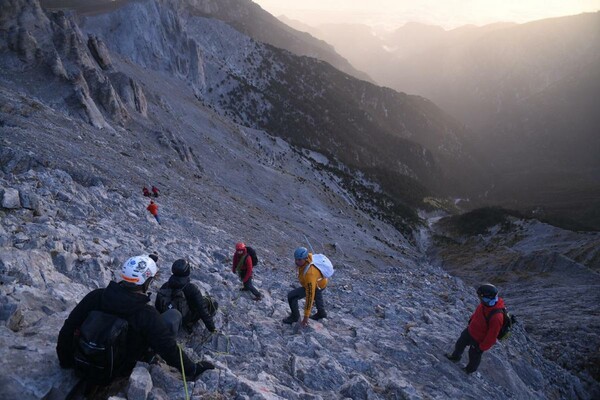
(53, 43)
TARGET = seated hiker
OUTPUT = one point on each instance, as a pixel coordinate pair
(242, 266)
(146, 192)
(178, 293)
(155, 191)
(313, 283)
(480, 335)
(119, 319)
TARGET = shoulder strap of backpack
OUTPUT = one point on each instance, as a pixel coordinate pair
(181, 288)
(241, 262)
(313, 265)
(494, 312)
(175, 291)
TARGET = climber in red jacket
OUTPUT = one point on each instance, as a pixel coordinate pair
(153, 208)
(242, 266)
(480, 334)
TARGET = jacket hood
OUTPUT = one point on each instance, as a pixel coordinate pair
(177, 282)
(118, 299)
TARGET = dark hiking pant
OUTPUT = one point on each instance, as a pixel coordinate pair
(173, 320)
(249, 286)
(463, 341)
(300, 293)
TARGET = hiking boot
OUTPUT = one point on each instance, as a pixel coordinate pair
(257, 298)
(452, 358)
(290, 320)
(318, 316)
(467, 370)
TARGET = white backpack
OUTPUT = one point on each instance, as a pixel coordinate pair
(323, 264)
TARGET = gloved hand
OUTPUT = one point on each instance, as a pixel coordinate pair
(201, 367)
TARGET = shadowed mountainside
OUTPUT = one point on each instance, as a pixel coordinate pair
(527, 92)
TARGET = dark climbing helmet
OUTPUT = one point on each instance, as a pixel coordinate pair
(487, 290)
(301, 253)
(181, 268)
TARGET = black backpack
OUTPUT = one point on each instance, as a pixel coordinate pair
(168, 298)
(508, 321)
(100, 348)
(252, 254)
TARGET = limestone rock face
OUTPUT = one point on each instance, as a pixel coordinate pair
(392, 312)
(140, 384)
(99, 52)
(130, 92)
(53, 41)
(10, 198)
(390, 319)
(83, 97)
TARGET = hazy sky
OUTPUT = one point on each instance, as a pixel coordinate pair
(446, 13)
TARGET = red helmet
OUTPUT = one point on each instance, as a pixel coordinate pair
(240, 247)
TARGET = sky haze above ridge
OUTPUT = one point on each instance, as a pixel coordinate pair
(449, 14)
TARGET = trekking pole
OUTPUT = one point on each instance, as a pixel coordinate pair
(309, 245)
(187, 395)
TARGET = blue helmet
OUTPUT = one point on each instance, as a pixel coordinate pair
(301, 253)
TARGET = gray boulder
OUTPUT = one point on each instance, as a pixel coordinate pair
(10, 198)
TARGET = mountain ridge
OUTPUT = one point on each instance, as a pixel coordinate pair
(525, 92)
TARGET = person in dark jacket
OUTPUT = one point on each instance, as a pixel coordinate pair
(242, 266)
(128, 299)
(480, 334)
(198, 304)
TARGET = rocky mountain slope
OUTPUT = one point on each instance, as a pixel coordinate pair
(84, 128)
(405, 143)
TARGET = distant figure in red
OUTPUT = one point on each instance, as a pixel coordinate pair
(146, 191)
(153, 208)
(154, 191)
(242, 266)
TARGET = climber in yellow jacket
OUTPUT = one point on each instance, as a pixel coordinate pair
(313, 283)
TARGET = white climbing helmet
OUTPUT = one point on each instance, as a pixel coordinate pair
(138, 270)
